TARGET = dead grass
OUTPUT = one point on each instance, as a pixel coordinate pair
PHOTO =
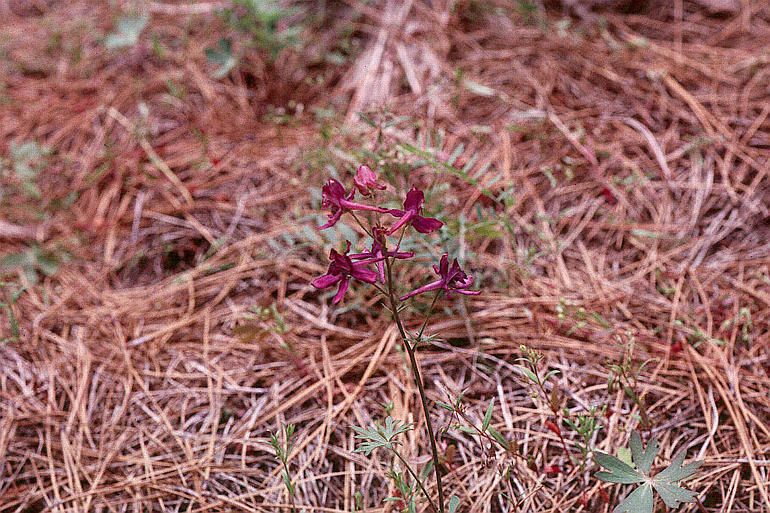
(638, 154)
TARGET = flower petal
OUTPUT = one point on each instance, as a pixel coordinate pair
(401, 222)
(341, 291)
(333, 218)
(332, 192)
(426, 224)
(366, 178)
(327, 280)
(352, 205)
(425, 288)
(360, 256)
(363, 274)
(414, 200)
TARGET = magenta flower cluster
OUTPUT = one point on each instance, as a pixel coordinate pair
(343, 267)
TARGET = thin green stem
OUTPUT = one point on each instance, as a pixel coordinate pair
(556, 417)
(417, 479)
(384, 293)
(427, 316)
(288, 489)
(420, 387)
(361, 224)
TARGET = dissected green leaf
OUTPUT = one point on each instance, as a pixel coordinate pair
(676, 472)
(643, 457)
(377, 436)
(625, 456)
(619, 472)
(673, 494)
(15, 260)
(638, 501)
(665, 482)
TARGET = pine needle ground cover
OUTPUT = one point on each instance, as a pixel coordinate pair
(585, 276)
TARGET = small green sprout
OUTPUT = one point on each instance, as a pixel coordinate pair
(282, 452)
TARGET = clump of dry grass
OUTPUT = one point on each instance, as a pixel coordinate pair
(143, 379)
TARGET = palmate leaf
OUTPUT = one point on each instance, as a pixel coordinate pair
(641, 500)
(638, 501)
(377, 435)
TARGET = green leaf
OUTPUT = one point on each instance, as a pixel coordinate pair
(445, 406)
(127, 33)
(549, 374)
(15, 260)
(47, 262)
(378, 436)
(625, 456)
(488, 415)
(643, 458)
(222, 55)
(31, 190)
(454, 501)
(24, 171)
(528, 373)
(641, 500)
(16, 295)
(638, 501)
(619, 472)
(673, 494)
(676, 472)
(499, 438)
(13, 324)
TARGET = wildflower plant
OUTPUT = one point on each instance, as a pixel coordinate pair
(282, 451)
(386, 228)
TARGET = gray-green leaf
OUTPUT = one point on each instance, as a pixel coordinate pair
(488, 415)
(453, 503)
(222, 56)
(665, 482)
(638, 501)
(127, 32)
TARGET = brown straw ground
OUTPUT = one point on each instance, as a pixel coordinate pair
(634, 147)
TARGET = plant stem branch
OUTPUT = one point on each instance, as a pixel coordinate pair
(417, 479)
(420, 387)
(291, 492)
(556, 417)
(361, 224)
(427, 316)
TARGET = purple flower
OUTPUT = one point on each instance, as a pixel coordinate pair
(366, 178)
(336, 199)
(453, 279)
(378, 254)
(341, 269)
(411, 214)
